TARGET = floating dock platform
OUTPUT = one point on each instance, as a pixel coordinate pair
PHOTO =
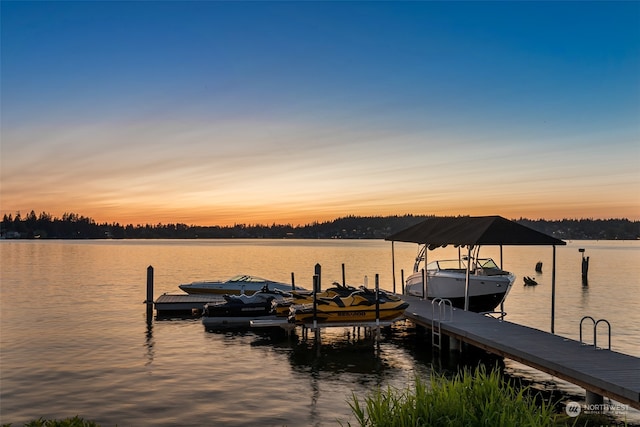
(183, 304)
(599, 371)
(285, 324)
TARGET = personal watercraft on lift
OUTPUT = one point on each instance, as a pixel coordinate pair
(238, 310)
(358, 306)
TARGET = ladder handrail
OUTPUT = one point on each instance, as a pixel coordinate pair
(595, 330)
(582, 320)
(443, 303)
(436, 327)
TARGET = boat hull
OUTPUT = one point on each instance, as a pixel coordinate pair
(485, 292)
(234, 287)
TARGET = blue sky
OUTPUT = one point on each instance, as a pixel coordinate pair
(223, 112)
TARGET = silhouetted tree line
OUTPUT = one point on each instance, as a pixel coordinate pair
(74, 226)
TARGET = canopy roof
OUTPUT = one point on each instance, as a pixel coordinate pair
(469, 230)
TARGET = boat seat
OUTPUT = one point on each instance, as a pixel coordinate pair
(359, 300)
(338, 301)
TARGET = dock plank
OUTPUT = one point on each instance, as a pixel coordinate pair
(609, 373)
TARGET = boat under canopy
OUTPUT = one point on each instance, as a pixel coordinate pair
(474, 231)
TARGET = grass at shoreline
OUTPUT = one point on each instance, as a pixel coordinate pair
(478, 398)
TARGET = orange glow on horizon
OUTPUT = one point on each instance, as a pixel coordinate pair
(205, 216)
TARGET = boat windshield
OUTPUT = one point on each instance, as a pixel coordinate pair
(448, 264)
(245, 278)
(461, 264)
(488, 263)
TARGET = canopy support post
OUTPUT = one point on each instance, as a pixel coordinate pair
(466, 284)
(425, 289)
(393, 266)
(553, 292)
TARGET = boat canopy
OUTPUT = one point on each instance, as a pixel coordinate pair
(472, 231)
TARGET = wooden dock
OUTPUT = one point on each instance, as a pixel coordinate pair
(602, 372)
(183, 304)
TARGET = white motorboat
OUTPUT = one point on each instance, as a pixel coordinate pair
(241, 284)
(489, 285)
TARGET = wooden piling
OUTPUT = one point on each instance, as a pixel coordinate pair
(149, 299)
(316, 289)
(318, 272)
(377, 299)
(316, 280)
(585, 268)
(539, 267)
(377, 308)
(592, 398)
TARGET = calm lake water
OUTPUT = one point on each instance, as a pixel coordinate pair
(75, 341)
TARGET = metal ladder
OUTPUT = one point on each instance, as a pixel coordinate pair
(444, 315)
(595, 330)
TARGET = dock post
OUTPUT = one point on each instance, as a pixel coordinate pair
(344, 281)
(592, 398)
(585, 268)
(402, 280)
(293, 282)
(149, 299)
(318, 272)
(316, 279)
(454, 344)
(316, 289)
(378, 307)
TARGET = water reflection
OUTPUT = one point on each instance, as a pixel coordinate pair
(361, 358)
(584, 297)
(315, 396)
(149, 343)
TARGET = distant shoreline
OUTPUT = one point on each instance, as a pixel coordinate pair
(73, 226)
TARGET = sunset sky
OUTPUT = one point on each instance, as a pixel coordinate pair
(215, 113)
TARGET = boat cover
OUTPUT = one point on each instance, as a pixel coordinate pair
(469, 230)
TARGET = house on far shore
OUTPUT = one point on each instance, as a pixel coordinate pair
(10, 235)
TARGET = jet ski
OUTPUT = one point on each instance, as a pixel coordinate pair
(358, 306)
(237, 311)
